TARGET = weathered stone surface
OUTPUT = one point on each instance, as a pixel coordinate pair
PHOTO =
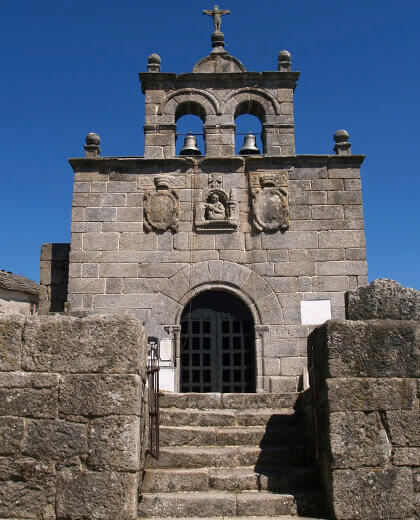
(404, 426)
(89, 395)
(383, 299)
(96, 495)
(368, 394)
(11, 328)
(55, 440)
(379, 348)
(29, 395)
(11, 435)
(114, 443)
(27, 489)
(106, 344)
(358, 439)
(406, 456)
(373, 494)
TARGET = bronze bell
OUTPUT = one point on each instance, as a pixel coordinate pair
(249, 147)
(190, 146)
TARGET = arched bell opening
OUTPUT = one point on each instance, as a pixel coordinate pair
(189, 119)
(249, 118)
(217, 345)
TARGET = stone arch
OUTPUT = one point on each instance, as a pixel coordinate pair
(190, 101)
(237, 279)
(250, 100)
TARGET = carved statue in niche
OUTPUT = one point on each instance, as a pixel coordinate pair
(216, 209)
(270, 204)
(161, 208)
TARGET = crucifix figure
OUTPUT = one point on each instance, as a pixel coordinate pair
(217, 14)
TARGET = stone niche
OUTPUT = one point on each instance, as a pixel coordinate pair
(216, 209)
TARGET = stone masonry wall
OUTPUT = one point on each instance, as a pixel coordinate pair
(71, 416)
(54, 265)
(118, 267)
(365, 383)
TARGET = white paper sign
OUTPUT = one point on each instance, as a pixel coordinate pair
(315, 312)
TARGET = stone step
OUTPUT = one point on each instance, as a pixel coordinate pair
(210, 401)
(216, 417)
(288, 517)
(228, 457)
(214, 504)
(230, 436)
(235, 479)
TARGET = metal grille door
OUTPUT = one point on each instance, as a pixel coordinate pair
(217, 345)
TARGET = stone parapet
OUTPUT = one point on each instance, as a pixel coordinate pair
(72, 416)
(364, 383)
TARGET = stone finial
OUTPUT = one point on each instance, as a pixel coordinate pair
(217, 41)
(284, 61)
(92, 145)
(342, 146)
(153, 63)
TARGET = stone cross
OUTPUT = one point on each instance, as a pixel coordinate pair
(216, 14)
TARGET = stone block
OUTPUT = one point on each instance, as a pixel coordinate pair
(256, 287)
(354, 211)
(383, 299)
(113, 286)
(292, 366)
(358, 253)
(290, 240)
(138, 241)
(123, 302)
(327, 184)
(291, 269)
(283, 284)
(343, 239)
(159, 270)
(100, 241)
(372, 494)
(404, 427)
(406, 456)
(343, 172)
(27, 489)
(380, 348)
(178, 284)
(344, 197)
(369, 394)
(358, 439)
(100, 214)
(87, 285)
(96, 495)
(300, 212)
(85, 227)
(352, 184)
(330, 283)
(105, 344)
(234, 274)
(87, 200)
(327, 212)
(11, 329)
(129, 214)
(283, 384)
(98, 186)
(114, 199)
(347, 267)
(114, 443)
(88, 395)
(28, 395)
(60, 441)
(122, 186)
(119, 270)
(11, 435)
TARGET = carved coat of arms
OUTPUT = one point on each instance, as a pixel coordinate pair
(161, 208)
(270, 205)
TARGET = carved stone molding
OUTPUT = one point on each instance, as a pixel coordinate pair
(161, 207)
(270, 201)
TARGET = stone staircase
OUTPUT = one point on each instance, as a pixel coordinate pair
(231, 455)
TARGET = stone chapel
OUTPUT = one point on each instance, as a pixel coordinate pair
(230, 260)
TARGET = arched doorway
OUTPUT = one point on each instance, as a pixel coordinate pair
(217, 345)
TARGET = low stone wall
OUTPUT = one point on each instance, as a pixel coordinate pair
(72, 421)
(364, 379)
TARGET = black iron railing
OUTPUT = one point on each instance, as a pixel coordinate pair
(153, 397)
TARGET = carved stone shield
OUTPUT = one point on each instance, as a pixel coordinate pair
(161, 210)
(271, 210)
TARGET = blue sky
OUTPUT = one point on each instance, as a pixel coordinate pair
(71, 67)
